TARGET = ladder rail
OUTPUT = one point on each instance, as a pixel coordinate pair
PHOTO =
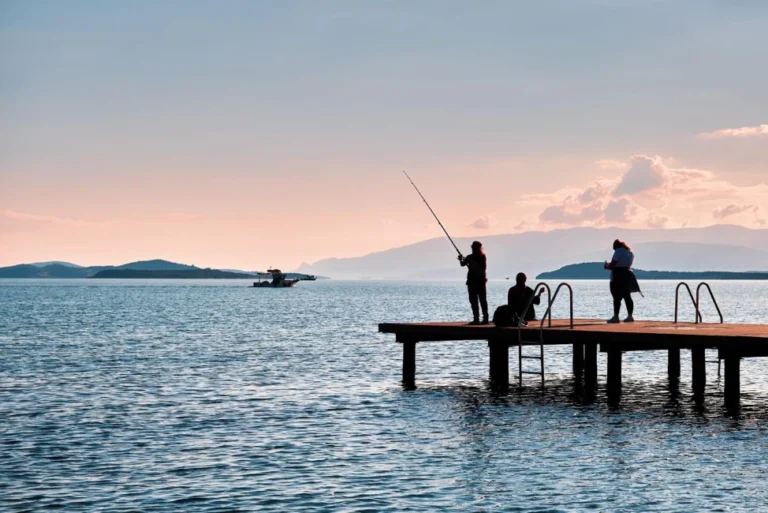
(549, 308)
(543, 285)
(547, 315)
(711, 295)
(520, 356)
(694, 301)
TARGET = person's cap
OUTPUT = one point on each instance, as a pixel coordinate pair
(477, 244)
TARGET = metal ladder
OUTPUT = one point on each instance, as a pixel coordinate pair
(696, 305)
(547, 315)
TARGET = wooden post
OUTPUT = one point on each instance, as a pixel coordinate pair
(673, 364)
(498, 350)
(698, 372)
(578, 360)
(614, 375)
(732, 382)
(590, 364)
(409, 364)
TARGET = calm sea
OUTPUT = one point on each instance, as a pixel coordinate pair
(209, 396)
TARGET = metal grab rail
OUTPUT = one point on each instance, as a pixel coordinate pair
(520, 323)
(711, 295)
(694, 301)
(549, 308)
(548, 313)
(530, 303)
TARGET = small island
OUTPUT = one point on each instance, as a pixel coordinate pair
(193, 274)
(595, 271)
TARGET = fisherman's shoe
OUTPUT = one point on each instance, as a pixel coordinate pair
(629, 319)
(614, 320)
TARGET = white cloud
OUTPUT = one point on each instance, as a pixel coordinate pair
(620, 211)
(745, 131)
(651, 194)
(732, 210)
(483, 223)
(609, 164)
(644, 174)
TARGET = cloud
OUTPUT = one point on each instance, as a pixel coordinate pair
(745, 131)
(644, 174)
(610, 164)
(620, 211)
(482, 223)
(731, 210)
(651, 193)
(22, 217)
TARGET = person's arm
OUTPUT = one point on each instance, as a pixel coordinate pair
(610, 265)
(462, 260)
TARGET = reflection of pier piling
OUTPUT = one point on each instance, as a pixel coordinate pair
(732, 341)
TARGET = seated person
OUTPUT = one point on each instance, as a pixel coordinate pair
(519, 296)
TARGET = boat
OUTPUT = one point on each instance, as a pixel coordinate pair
(278, 280)
(308, 277)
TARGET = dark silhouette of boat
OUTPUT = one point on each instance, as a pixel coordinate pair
(278, 280)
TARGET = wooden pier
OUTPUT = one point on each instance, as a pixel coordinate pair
(732, 341)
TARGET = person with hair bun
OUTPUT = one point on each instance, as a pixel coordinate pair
(623, 280)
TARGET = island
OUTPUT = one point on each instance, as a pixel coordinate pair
(196, 274)
(595, 271)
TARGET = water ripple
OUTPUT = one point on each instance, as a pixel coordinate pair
(203, 396)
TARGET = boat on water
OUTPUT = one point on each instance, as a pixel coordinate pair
(308, 277)
(278, 280)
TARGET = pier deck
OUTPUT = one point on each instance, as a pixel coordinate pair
(732, 341)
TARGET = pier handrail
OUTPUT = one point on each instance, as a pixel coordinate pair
(530, 302)
(549, 308)
(712, 295)
(694, 301)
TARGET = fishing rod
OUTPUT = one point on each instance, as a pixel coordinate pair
(433, 213)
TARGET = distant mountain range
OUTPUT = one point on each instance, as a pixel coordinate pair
(595, 271)
(69, 270)
(154, 269)
(715, 248)
(196, 274)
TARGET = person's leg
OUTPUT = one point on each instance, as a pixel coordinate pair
(473, 300)
(616, 300)
(630, 304)
(483, 294)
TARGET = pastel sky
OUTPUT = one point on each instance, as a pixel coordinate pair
(254, 133)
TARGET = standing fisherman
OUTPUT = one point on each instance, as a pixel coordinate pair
(476, 281)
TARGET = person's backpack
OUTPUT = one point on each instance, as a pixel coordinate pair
(502, 316)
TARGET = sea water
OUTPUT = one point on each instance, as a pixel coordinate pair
(174, 395)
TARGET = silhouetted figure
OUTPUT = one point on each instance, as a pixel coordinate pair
(520, 295)
(623, 280)
(476, 281)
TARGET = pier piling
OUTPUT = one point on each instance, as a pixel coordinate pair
(673, 364)
(499, 364)
(732, 382)
(590, 364)
(578, 360)
(614, 376)
(698, 372)
(409, 363)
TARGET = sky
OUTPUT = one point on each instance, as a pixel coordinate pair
(248, 134)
